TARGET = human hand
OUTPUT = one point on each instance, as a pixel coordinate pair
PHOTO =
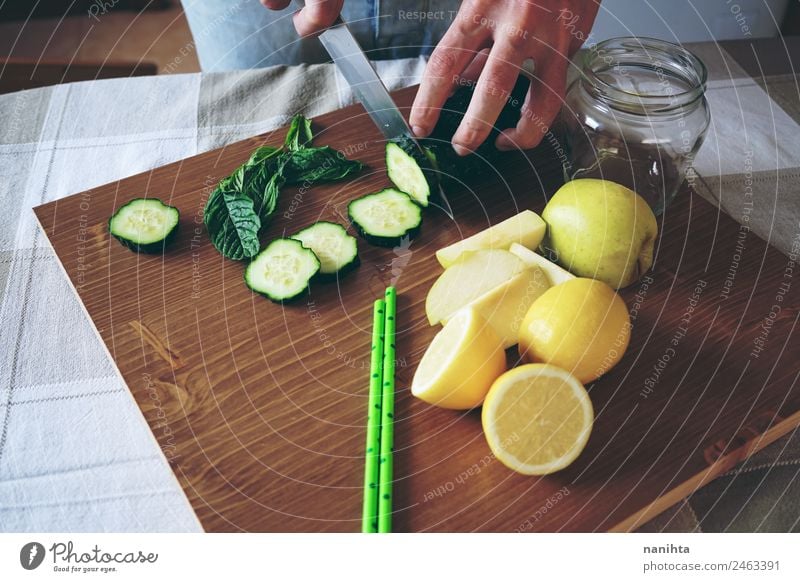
(314, 17)
(486, 44)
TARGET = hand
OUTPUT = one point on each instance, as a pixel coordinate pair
(488, 42)
(314, 18)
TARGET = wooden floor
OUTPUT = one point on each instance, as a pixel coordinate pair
(158, 36)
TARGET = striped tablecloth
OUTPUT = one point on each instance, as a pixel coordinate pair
(75, 453)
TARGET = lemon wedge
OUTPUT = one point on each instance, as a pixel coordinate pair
(461, 363)
(537, 419)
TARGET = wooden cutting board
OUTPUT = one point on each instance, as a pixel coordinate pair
(260, 409)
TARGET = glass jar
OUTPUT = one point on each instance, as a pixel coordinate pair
(636, 114)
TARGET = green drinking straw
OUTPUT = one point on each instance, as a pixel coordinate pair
(386, 466)
(369, 513)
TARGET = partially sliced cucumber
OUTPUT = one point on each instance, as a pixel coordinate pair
(336, 250)
(282, 271)
(411, 170)
(385, 218)
(145, 225)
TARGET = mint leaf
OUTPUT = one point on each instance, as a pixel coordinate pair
(243, 202)
(323, 164)
(232, 224)
(299, 134)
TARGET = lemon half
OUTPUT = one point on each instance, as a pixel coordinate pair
(537, 419)
(461, 363)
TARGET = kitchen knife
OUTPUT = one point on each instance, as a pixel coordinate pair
(370, 91)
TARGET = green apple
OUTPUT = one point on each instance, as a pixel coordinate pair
(525, 228)
(472, 275)
(555, 274)
(505, 306)
(602, 230)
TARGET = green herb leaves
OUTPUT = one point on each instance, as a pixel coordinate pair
(299, 133)
(313, 165)
(241, 204)
(244, 202)
(232, 224)
(309, 165)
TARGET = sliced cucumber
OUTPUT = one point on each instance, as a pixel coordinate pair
(411, 170)
(385, 218)
(336, 250)
(282, 271)
(144, 225)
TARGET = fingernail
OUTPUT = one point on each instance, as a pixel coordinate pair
(460, 150)
(419, 131)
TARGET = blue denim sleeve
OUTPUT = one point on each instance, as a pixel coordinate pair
(242, 34)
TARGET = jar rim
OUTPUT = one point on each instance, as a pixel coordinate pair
(681, 62)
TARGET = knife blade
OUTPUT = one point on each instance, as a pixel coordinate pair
(370, 91)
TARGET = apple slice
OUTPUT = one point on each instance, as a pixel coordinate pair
(525, 228)
(504, 307)
(555, 273)
(472, 275)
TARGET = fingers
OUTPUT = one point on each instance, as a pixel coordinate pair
(470, 75)
(316, 16)
(542, 104)
(456, 49)
(491, 94)
(276, 4)
(474, 69)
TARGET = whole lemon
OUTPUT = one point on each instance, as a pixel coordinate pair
(581, 325)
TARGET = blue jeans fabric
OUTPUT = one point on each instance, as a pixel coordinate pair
(242, 34)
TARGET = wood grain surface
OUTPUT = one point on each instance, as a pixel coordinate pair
(260, 409)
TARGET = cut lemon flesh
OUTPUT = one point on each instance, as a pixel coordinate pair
(461, 363)
(537, 419)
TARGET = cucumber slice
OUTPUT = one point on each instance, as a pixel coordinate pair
(144, 225)
(282, 271)
(336, 250)
(385, 218)
(411, 170)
